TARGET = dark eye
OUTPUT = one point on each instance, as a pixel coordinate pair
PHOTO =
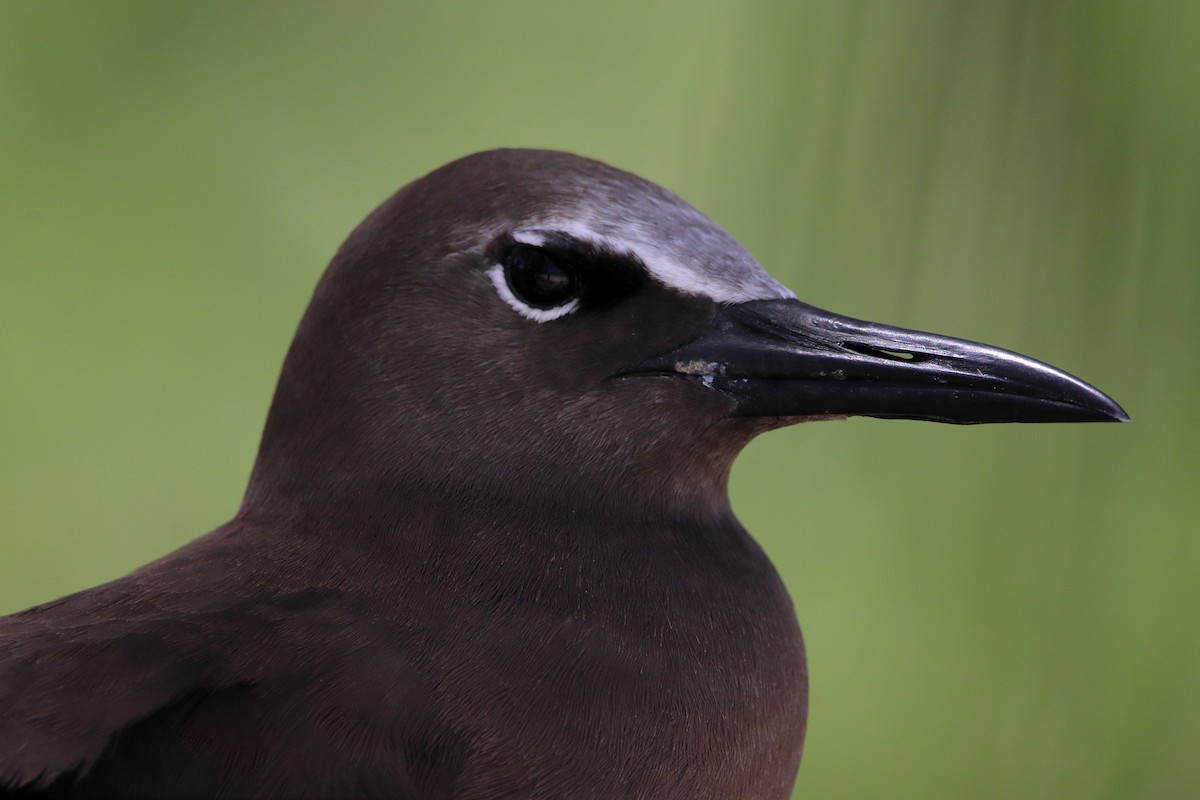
(540, 279)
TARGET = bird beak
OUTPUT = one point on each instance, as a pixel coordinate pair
(784, 358)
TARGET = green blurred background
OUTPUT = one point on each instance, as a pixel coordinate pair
(992, 612)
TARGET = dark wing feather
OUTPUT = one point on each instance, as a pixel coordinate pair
(118, 691)
(71, 680)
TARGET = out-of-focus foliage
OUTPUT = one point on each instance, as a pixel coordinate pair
(991, 612)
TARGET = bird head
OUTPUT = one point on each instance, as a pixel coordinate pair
(534, 319)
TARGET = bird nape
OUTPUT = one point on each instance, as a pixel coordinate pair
(486, 549)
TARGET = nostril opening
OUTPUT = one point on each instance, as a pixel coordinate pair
(882, 352)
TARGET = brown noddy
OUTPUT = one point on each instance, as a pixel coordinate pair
(486, 550)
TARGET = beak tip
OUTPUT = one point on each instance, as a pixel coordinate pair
(1104, 407)
(1118, 414)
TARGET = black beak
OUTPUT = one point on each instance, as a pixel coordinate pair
(787, 359)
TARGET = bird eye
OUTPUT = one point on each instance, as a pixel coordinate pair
(539, 279)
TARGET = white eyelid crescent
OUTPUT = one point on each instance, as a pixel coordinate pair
(496, 274)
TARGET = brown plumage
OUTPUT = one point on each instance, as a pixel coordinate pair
(486, 550)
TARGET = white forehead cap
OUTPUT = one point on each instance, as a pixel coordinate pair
(681, 248)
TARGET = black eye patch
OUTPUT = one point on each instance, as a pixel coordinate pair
(601, 276)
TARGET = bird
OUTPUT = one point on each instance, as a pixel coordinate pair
(486, 549)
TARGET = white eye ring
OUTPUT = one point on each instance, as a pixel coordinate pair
(496, 274)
